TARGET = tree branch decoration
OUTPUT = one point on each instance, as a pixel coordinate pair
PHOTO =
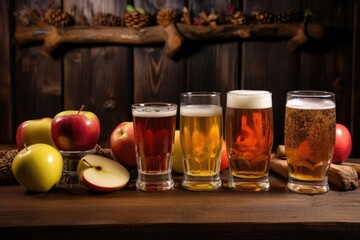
(168, 26)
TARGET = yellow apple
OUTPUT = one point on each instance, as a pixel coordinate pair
(38, 167)
(177, 164)
(34, 131)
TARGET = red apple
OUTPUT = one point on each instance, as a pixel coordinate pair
(122, 144)
(224, 157)
(343, 144)
(75, 130)
(34, 131)
(102, 174)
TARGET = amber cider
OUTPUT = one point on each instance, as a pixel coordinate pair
(249, 138)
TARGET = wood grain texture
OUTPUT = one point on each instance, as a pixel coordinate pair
(223, 214)
(328, 65)
(355, 101)
(113, 76)
(6, 105)
(37, 83)
(213, 67)
(269, 66)
(99, 77)
(156, 77)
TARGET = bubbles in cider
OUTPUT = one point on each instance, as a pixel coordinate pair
(309, 137)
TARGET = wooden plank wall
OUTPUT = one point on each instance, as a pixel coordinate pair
(6, 104)
(109, 78)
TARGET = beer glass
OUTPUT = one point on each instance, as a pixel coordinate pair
(310, 120)
(154, 131)
(201, 137)
(249, 138)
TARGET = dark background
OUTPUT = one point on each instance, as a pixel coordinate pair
(109, 78)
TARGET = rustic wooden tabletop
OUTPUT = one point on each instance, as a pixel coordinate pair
(179, 214)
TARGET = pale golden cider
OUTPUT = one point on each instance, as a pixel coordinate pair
(249, 133)
(201, 139)
(309, 137)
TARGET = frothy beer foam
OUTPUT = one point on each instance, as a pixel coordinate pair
(310, 103)
(249, 99)
(200, 110)
(154, 112)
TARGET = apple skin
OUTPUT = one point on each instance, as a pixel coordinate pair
(75, 130)
(34, 131)
(177, 165)
(38, 167)
(343, 144)
(224, 157)
(122, 144)
(102, 174)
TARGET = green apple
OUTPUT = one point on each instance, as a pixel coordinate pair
(38, 167)
(102, 174)
(34, 131)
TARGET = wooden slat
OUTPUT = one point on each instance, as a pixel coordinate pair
(100, 77)
(355, 101)
(6, 123)
(213, 67)
(156, 77)
(328, 65)
(269, 66)
(37, 83)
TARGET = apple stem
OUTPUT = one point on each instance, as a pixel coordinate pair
(96, 167)
(81, 108)
(25, 146)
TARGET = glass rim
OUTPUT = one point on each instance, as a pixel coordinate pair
(200, 93)
(155, 104)
(311, 94)
(250, 93)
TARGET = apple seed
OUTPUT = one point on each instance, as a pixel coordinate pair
(96, 167)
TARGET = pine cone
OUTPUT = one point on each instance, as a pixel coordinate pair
(264, 17)
(58, 18)
(6, 159)
(105, 152)
(136, 19)
(106, 19)
(288, 17)
(166, 16)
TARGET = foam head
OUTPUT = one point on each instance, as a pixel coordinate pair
(154, 110)
(200, 110)
(310, 103)
(249, 99)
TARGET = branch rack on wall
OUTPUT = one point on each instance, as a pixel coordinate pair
(172, 35)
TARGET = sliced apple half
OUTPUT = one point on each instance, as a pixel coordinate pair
(102, 174)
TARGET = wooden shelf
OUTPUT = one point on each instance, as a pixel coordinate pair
(173, 35)
(180, 214)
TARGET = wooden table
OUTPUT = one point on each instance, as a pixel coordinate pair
(180, 214)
